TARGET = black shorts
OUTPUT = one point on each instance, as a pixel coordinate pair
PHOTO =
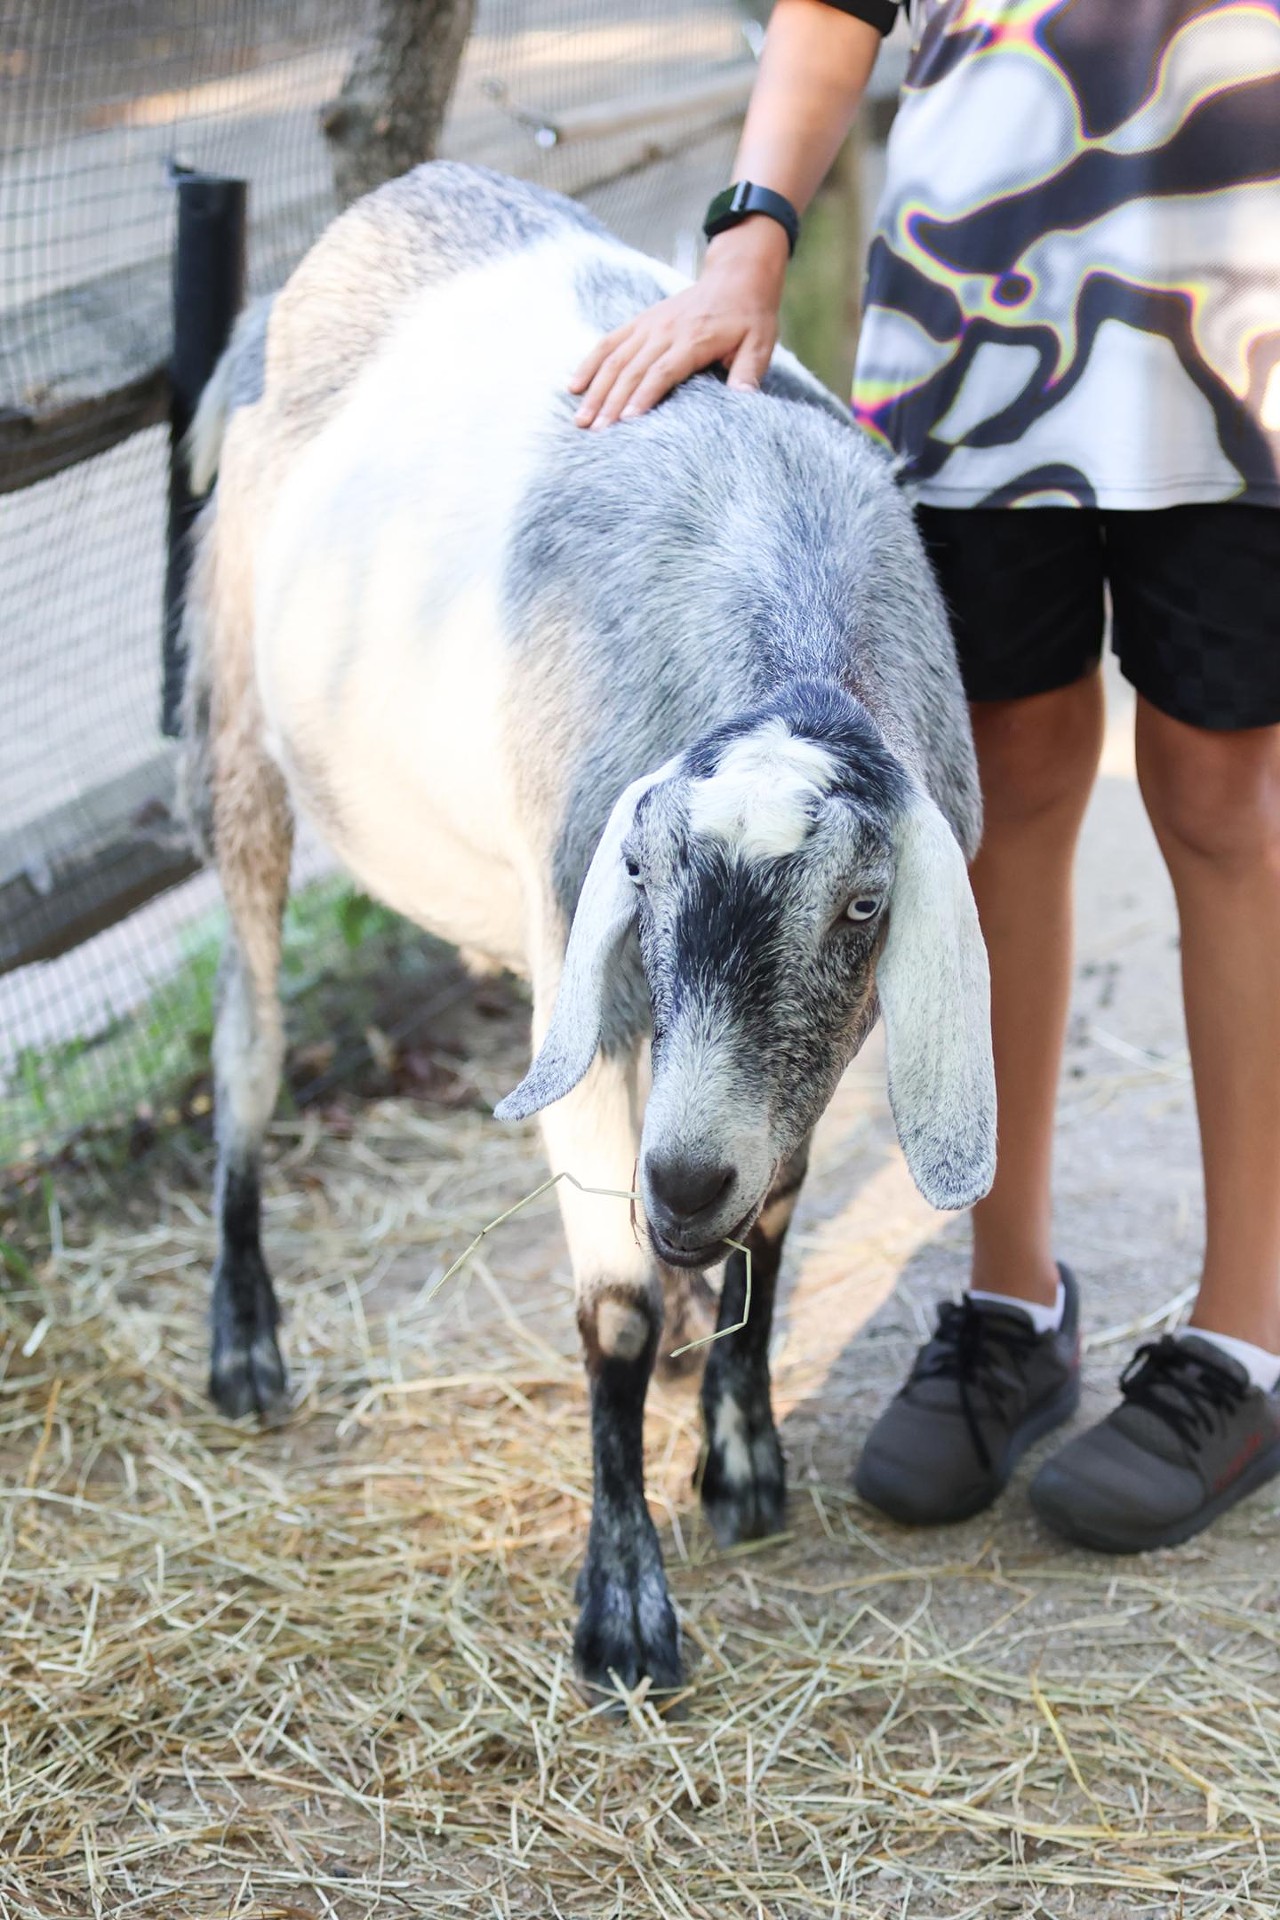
(1195, 602)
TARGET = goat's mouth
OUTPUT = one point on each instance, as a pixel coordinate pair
(710, 1253)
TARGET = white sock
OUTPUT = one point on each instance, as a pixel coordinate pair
(1043, 1319)
(1263, 1368)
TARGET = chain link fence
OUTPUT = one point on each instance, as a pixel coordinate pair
(106, 934)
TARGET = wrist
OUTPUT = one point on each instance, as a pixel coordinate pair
(756, 242)
(745, 200)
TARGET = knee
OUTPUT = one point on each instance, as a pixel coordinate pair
(1213, 797)
(617, 1324)
(1037, 757)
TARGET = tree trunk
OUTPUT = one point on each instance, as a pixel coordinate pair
(391, 109)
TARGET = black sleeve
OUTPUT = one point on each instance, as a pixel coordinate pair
(880, 14)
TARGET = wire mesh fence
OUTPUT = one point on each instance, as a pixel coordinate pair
(631, 104)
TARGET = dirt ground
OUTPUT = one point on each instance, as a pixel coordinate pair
(323, 1671)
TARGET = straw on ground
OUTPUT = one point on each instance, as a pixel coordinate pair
(325, 1670)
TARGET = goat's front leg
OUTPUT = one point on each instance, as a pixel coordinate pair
(743, 1478)
(627, 1625)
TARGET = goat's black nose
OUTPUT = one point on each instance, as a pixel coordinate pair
(686, 1188)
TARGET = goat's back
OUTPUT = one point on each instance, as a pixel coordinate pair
(474, 622)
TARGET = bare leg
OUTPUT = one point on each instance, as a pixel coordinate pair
(627, 1624)
(1037, 759)
(743, 1479)
(1214, 801)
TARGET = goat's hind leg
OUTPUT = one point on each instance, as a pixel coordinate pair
(627, 1624)
(742, 1476)
(253, 841)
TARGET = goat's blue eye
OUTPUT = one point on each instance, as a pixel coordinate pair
(865, 907)
(633, 868)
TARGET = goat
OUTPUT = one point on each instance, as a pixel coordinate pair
(667, 718)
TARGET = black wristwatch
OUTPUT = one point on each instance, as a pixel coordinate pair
(732, 206)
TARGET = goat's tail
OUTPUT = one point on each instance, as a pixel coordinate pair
(199, 615)
(202, 447)
(214, 622)
(236, 381)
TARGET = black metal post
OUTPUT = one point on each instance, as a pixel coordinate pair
(208, 290)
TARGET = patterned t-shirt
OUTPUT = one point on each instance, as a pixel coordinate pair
(1073, 291)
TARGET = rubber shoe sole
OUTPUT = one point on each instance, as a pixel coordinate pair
(1062, 1520)
(873, 1478)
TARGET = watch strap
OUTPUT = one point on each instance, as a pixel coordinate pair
(744, 198)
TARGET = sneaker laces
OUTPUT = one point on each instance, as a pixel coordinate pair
(1181, 1386)
(974, 1346)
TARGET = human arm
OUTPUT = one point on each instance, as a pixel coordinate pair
(814, 68)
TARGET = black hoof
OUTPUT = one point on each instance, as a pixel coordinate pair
(246, 1372)
(248, 1378)
(627, 1628)
(743, 1480)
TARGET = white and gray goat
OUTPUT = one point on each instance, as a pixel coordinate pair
(666, 717)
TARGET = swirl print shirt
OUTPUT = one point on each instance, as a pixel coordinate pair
(1073, 289)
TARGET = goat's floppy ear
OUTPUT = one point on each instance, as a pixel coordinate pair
(935, 993)
(604, 917)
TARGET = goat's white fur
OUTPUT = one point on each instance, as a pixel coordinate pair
(759, 801)
(732, 1438)
(606, 913)
(248, 1050)
(347, 573)
(203, 448)
(592, 1134)
(934, 986)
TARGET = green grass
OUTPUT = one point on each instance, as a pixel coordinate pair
(151, 1058)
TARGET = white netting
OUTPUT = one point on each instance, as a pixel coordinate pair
(631, 103)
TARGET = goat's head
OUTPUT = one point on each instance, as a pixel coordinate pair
(783, 873)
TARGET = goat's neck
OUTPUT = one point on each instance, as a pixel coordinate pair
(804, 654)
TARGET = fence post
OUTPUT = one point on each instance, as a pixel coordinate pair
(208, 290)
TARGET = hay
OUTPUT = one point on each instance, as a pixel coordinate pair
(628, 1194)
(324, 1671)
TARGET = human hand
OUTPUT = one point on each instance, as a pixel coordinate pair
(729, 317)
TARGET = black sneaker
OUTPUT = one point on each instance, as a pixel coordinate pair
(980, 1393)
(1191, 1436)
